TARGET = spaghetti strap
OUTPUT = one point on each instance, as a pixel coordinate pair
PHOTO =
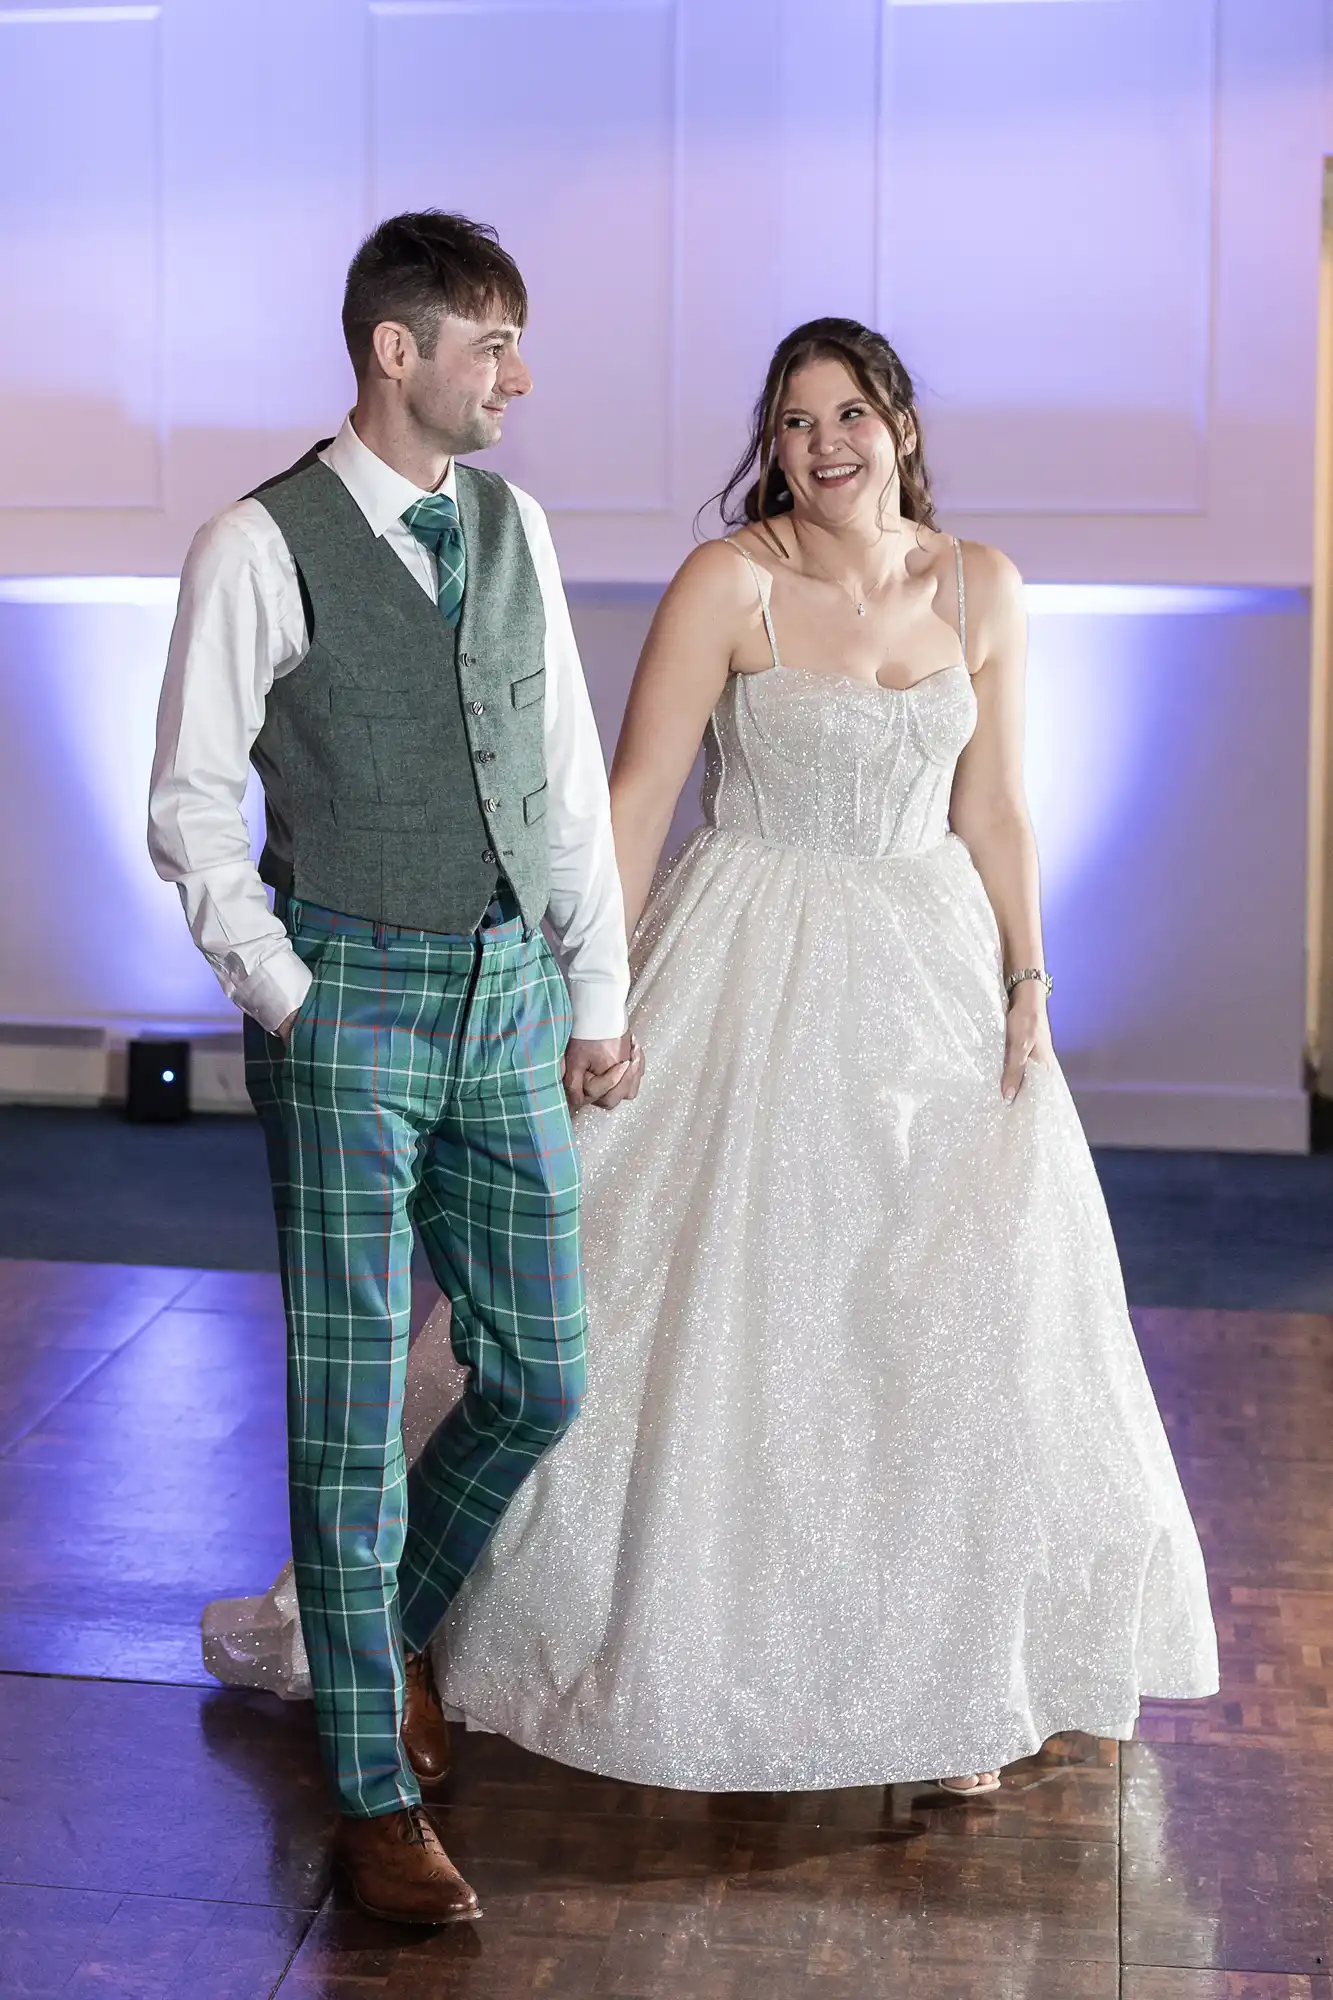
(758, 576)
(962, 598)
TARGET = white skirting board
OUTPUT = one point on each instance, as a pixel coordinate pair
(1207, 1118)
(49, 1065)
(86, 1066)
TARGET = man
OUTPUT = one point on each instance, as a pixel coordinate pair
(384, 634)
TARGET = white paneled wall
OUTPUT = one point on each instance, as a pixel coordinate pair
(1091, 226)
(592, 225)
(1061, 159)
(81, 328)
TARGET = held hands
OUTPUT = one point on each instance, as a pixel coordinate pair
(604, 1073)
(1027, 1036)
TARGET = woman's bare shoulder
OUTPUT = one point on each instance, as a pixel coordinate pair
(996, 612)
(714, 573)
(992, 576)
(765, 543)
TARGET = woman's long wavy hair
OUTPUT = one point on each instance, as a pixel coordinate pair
(757, 490)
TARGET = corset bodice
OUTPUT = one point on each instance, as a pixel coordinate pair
(815, 760)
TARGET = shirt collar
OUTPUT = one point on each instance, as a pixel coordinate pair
(382, 494)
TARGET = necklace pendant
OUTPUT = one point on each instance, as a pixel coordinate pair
(861, 610)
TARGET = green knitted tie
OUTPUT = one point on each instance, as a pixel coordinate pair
(434, 521)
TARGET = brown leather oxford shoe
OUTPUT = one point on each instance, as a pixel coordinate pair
(399, 1870)
(425, 1731)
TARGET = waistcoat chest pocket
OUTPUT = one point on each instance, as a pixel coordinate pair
(534, 807)
(531, 688)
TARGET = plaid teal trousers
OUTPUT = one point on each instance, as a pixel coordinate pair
(421, 1084)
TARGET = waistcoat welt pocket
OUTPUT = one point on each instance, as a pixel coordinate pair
(378, 815)
(531, 688)
(534, 806)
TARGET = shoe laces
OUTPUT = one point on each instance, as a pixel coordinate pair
(417, 1671)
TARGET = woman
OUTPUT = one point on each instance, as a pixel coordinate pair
(869, 1485)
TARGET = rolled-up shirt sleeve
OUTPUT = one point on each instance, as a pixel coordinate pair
(587, 911)
(233, 635)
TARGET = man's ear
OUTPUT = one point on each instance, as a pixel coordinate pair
(392, 348)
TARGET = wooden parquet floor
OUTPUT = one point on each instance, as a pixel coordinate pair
(164, 1839)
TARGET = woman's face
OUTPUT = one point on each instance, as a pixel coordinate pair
(837, 454)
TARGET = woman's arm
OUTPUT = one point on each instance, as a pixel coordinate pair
(989, 808)
(681, 672)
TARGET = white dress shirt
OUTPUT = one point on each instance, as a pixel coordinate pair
(240, 627)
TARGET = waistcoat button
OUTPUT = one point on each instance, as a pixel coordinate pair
(478, 708)
(492, 805)
(489, 855)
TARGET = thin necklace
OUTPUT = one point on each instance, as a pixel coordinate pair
(858, 602)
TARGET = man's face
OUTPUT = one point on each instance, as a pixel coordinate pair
(457, 396)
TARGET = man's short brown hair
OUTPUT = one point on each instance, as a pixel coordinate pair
(416, 268)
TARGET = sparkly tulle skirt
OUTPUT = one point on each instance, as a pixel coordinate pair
(869, 1484)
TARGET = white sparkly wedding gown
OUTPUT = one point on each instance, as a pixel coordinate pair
(869, 1484)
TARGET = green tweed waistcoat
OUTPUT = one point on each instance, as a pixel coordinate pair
(404, 760)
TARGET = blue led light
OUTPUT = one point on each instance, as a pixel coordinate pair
(168, 1076)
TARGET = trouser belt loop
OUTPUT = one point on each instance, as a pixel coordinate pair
(380, 936)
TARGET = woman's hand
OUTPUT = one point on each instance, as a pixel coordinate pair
(1027, 1036)
(603, 1073)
